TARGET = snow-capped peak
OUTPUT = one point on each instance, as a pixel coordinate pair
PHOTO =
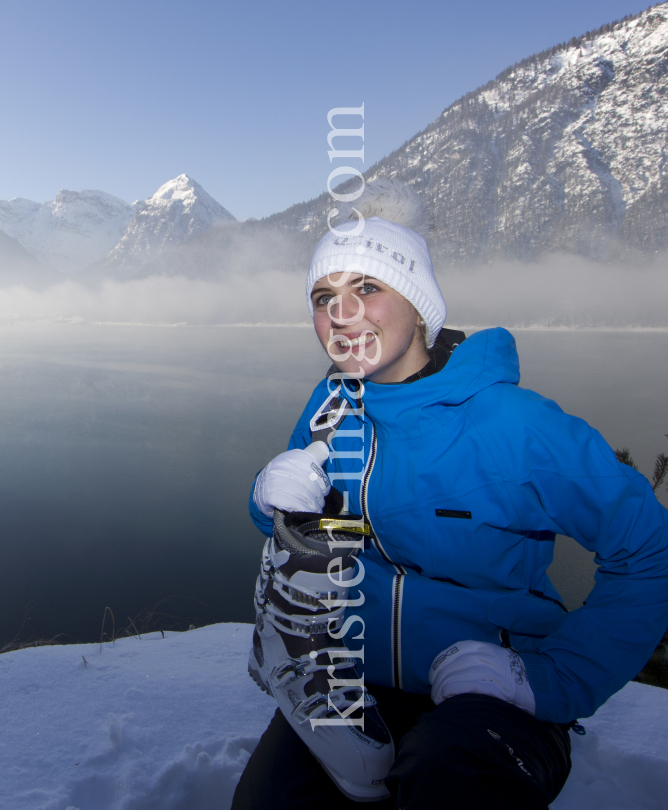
(180, 188)
(79, 228)
(189, 197)
(178, 210)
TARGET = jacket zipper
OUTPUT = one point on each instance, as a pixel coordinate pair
(398, 580)
(397, 600)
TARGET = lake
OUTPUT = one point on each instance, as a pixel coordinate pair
(127, 454)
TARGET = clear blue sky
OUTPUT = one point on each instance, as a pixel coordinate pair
(123, 95)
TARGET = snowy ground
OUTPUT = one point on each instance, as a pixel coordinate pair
(168, 724)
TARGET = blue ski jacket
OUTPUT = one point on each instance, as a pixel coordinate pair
(465, 478)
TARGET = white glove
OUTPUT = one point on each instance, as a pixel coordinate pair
(480, 668)
(294, 481)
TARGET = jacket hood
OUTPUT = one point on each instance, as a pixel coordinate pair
(486, 358)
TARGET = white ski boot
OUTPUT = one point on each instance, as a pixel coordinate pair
(310, 673)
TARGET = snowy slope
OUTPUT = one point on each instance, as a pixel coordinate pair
(12, 253)
(564, 151)
(18, 267)
(70, 232)
(168, 724)
(178, 210)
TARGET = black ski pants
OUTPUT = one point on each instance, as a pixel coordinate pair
(471, 751)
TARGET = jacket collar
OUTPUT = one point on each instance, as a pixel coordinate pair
(485, 358)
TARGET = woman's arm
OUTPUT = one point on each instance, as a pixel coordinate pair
(562, 476)
(607, 642)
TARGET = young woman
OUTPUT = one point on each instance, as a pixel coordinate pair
(477, 668)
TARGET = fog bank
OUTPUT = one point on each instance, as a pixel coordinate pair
(274, 297)
(559, 291)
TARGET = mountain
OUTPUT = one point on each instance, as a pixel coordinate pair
(69, 232)
(564, 151)
(13, 254)
(241, 248)
(17, 266)
(177, 211)
(82, 230)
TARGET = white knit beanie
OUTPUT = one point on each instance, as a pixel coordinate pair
(385, 249)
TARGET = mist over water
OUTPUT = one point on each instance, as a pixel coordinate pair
(272, 297)
(128, 453)
(257, 283)
(559, 291)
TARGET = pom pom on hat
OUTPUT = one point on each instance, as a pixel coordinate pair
(393, 201)
(389, 245)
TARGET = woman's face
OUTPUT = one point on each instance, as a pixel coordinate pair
(367, 328)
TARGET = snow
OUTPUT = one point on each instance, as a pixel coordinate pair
(79, 228)
(564, 152)
(626, 55)
(178, 210)
(169, 724)
(151, 723)
(69, 232)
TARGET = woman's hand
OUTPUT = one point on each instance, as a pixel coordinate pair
(294, 481)
(480, 668)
